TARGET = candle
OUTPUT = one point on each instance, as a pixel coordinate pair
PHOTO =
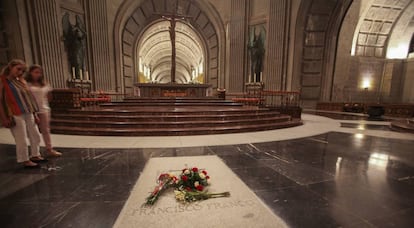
(73, 73)
(81, 74)
(255, 78)
(86, 75)
(260, 76)
(250, 79)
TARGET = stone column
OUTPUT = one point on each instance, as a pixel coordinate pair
(237, 50)
(99, 53)
(47, 32)
(11, 31)
(277, 45)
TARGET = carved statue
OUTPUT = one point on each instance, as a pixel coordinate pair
(257, 51)
(74, 37)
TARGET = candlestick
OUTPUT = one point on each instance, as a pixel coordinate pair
(73, 73)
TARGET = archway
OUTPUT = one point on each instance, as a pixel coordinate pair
(372, 52)
(154, 54)
(317, 30)
(131, 25)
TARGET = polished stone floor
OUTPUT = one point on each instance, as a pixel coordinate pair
(334, 179)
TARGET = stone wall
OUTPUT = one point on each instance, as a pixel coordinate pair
(46, 40)
(43, 39)
(297, 54)
(111, 12)
(237, 40)
(13, 31)
(36, 35)
(408, 82)
(275, 17)
(385, 79)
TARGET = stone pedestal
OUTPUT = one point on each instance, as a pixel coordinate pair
(84, 86)
(64, 99)
(375, 112)
(171, 90)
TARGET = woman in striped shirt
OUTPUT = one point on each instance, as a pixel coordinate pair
(18, 112)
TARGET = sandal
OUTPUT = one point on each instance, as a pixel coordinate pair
(38, 159)
(54, 153)
(31, 165)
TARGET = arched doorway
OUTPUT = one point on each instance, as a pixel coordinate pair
(154, 54)
(131, 25)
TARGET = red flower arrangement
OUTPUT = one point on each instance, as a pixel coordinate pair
(164, 182)
(190, 186)
(192, 180)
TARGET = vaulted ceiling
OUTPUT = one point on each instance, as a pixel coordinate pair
(376, 34)
(154, 51)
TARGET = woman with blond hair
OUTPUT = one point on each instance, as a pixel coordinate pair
(41, 91)
(18, 110)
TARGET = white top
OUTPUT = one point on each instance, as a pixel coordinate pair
(41, 96)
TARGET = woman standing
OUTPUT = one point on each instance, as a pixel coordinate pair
(18, 112)
(41, 91)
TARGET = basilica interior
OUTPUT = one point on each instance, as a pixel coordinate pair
(300, 111)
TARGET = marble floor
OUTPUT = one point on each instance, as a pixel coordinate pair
(327, 173)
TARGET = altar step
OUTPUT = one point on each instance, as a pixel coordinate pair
(403, 125)
(171, 103)
(171, 98)
(127, 104)
(171, 131)
(170, 111)
(121, 123)
(168, 117)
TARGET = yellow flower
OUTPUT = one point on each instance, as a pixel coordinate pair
(202, 176)
(196, 184)
(179, 195)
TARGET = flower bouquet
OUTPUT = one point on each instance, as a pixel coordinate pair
(164, 181)
(188, 187)
(191, 184)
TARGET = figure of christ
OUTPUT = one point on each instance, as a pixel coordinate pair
(173, 18)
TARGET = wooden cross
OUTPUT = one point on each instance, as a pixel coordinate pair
(173, 18)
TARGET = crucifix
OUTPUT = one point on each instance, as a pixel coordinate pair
(173, 18)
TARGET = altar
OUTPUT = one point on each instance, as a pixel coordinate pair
(172, 90)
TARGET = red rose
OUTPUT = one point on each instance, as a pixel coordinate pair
(207, 177)
(162, 176)
(200, 188)
(204, 172)
(188, 189)
(184, 178)
(156, 190)
(195, 169)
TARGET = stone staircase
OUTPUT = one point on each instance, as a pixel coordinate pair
(403, 125)
(167, 117)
